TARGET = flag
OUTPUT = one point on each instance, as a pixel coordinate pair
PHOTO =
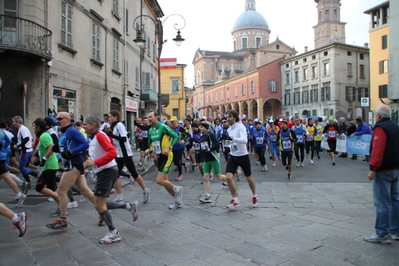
(168, 63)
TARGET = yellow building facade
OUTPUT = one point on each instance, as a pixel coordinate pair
(379, 54)
(172, 83)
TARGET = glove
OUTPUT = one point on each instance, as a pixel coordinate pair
(43, 162)
(66, 154)
(182, 130)
(227, 137)
(109, 133)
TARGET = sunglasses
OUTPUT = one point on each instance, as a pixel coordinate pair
(60, 118)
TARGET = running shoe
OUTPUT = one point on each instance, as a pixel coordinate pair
(255, 202)
(72, 204)
(395, 237)
(274, 164)
(20, 225)
(311, 162)
(146, 195)
(297, 164)
(233, 204)
(178, 204)
(289, 177)
(302, 164)
(56, 213)
(20, 201)
(110, 238)
(264, 169)
(82, 198)
(178, 193)
(257, 163)
(58, 224)
(134, 210)
(179, 178)
(141, 169)
(119, 199)
(205, 199)
(193, 168)
(225, 184)
(378, 239)
(50, 199)
(333, 162)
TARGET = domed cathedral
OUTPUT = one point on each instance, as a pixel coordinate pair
(250, 29)
(329, 28)
(231, 80)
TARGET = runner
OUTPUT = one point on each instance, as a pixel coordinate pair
(144, 126)
(71, 146)
(4, 174)
(331, 130)
(195, 140)
(318, 138)
(310, 145)
(260, 138)
(102, 154)
(161, 139)
(178, 147)
(300, 132)
(124, 156)
(238, 157)
(211, 160)
(48, 161)
(286, 139)
(25, 142)
(273, 145)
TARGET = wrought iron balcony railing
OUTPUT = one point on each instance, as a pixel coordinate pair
(24, 35)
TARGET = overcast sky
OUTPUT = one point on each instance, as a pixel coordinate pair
(209, 24)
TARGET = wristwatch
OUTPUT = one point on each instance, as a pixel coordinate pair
(170, 147)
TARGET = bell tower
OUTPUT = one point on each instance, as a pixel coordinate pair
(329, 28)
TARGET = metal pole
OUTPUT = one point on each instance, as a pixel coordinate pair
(159, 32)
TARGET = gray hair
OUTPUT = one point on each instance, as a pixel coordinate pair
(91, 119)
(384, 111)
(18, 119)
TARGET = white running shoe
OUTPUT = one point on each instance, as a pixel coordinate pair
(72, 204)
(119, 199)
(311, 162)
(274, 164)
(297, 164)
(302, 164)
(264, 169)
(111, 238)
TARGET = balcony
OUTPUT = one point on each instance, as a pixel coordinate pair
(25, 36)
(149, 95)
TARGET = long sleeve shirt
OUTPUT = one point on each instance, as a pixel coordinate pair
(238, 145)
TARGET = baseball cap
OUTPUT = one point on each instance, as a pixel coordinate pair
(173, 118)
(331, 118)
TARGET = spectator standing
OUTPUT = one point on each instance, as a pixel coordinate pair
(384, 173)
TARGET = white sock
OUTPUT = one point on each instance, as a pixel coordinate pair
(15, 218)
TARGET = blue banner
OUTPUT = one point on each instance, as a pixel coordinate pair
(358, 144)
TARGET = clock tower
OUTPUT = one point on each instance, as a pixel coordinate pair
(329, 28)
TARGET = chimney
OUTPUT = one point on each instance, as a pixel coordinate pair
(366, 45)
(306, 49)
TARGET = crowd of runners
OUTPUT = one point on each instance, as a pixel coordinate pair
(62, 152)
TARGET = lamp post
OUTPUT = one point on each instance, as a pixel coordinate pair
(140, 41)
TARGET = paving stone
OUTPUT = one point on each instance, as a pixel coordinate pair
(166, 254)
(293, 240)
(50, 255)
(90, 255)
(316, 219)
(200, 249)
(258, 254)
(229, 259)
(330, 215)
(337, 254)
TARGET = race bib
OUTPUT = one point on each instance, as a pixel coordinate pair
(331, 134)
(273, 138)
(234, 147)
(287, 144)
(299, 139)
(157, 147)
(196, 146)
(144, 134)
(309, 138)
(226, 143)
(204, 146)
(259, 140)
(140, 136)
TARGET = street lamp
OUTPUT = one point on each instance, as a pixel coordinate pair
(140, 41)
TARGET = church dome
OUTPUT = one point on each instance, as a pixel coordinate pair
(250, 18)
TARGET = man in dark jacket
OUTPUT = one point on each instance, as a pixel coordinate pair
(384, 171)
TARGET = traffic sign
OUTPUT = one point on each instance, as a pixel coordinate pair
(364, 102)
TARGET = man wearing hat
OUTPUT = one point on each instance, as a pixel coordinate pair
(209, 148)
(178, 148)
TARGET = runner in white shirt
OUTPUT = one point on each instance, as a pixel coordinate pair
(238, 158)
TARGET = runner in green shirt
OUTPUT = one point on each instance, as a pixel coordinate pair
(48, 161)
(161, 139)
